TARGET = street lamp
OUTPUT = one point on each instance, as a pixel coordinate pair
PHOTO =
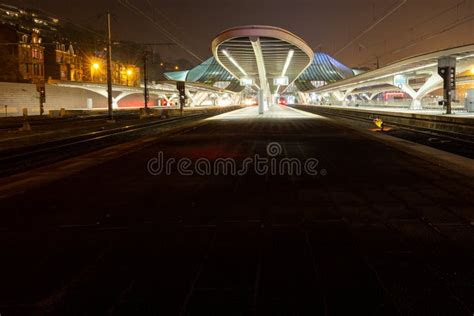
(94, 67)
(129, 73)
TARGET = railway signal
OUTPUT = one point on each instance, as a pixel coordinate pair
(146, 94)
(182, 94)
(447, 71)
(40, 87)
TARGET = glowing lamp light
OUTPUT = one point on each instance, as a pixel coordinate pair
(291, 53)
(96, 66)
(289, 57)
(234, 62)
(129, 72)
(472, 71)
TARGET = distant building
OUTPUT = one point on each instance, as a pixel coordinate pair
(31, 59)
(62, 63)
(95, 70)
(126, 75)
(22, 55)
(28, 20)
(26, 57)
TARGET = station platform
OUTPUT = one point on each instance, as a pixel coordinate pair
(376, 226)
(457, 111)
(273, 112)
(459, 122)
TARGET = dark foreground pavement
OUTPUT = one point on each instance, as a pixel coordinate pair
(376, 232)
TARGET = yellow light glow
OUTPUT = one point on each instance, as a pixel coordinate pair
(472, 71)
(129, 72)
(176, 67)
(96, 66)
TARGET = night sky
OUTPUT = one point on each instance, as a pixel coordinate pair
(325, 25)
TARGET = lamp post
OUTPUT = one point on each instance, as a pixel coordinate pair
(145, 78)
(109, 70)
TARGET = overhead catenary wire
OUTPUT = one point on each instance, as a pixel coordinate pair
(435, 34)
(458, 22)
(127, 4)
(163, 15)
(426, 21)
(371, 27)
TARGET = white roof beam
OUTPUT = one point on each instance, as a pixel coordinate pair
(262, 72)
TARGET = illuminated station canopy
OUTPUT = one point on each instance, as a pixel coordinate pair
(262, 55)
(264, 58)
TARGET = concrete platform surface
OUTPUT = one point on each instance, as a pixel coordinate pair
(374, 231)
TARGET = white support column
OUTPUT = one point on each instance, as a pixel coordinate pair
(190, 98)
(433, 82)
(264, 93)
(201, 97)
(269, 97)
(197, 98)
(303, 98)
(373, 95)
(170, 98)
(338, 95)
(173, 96)
(346, 94)
(415, 102)
(369, 96)
(341, 95)
(237, 99)
(260, 100)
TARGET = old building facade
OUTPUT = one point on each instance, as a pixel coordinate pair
(22, 55)
(62, 63)
(33, 50)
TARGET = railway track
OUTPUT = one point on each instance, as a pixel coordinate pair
(24, 158)
(10, 124)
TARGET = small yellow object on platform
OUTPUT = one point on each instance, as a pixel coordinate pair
(379, 123)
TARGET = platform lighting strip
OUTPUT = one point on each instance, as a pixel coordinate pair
(291, 53)
(233, 61)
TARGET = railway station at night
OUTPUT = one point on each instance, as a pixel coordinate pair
(163, 158)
